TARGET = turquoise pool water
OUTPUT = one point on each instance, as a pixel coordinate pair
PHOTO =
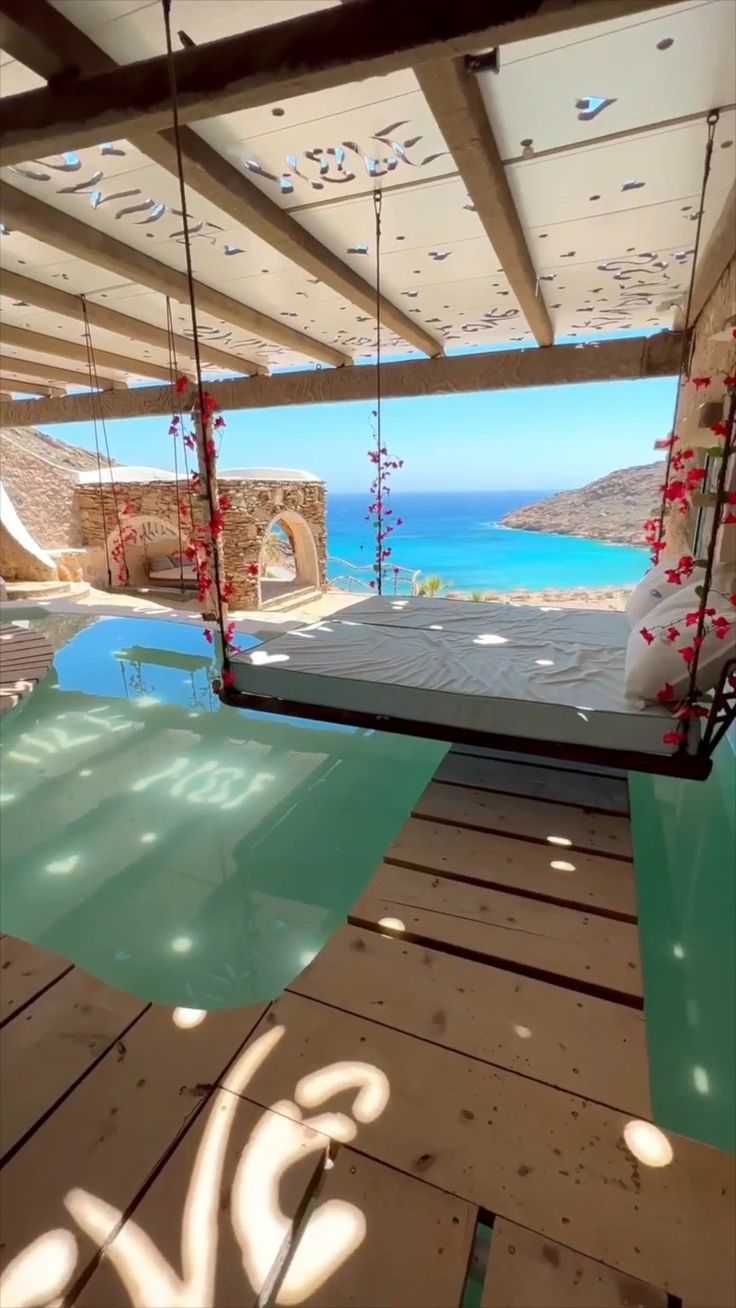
(188, 853)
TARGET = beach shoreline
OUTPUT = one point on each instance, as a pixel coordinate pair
(611, 598)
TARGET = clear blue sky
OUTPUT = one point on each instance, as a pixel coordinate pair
(534, 439)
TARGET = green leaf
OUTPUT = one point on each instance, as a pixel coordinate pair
(700, 591)
(715, 451)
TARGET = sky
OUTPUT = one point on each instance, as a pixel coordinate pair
(540, 438)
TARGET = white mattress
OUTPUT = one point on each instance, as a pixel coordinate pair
(173, 574)
(543, 674)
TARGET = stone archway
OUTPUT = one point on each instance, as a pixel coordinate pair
(305, 572)
(147, 541)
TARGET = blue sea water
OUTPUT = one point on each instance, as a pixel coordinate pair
(456, 534)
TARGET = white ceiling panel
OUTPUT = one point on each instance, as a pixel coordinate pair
(134, 29)
(23, 254)
(670, 66)
(536, 45)
(15, 77)
(343, 153)
(625, 175)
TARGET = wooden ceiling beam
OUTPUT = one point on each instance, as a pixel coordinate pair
(83, 241)
(42, 296)
(8, 385)
(59, 348)
(716, 256)
(50, 372)
(627, 359)
(328, 48)
(456, 103)
(46, 41)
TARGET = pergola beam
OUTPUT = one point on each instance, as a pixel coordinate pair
(331, 47)
(717, 255)
(454, 97)
(42, 296)
(627, 359)
(9, 384)
(60, 348)
(43, 372)
(46, 41)
(83, 241)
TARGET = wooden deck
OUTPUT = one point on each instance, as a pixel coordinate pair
(25, 657)
(464, 1054)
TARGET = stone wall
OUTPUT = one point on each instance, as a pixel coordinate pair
(43, 494)
(709, 359)
(254, 506)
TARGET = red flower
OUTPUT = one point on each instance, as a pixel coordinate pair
(180, 385)
(219, 422)
(720, 428)
(730, 380)
(225, 503)
(732, 599)
(666, 694)
(673, 576)
(128, 507)
(687, 652)
(227, 677)
(252, 569)
(731, 497)
(673, 634)
(207, 635)
(730, 517)
(648, 635)
(665, 442)
(372, 585)
(721, 627)
(674, 737)
(700, 383)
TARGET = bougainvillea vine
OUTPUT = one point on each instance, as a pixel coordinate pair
(380, 513)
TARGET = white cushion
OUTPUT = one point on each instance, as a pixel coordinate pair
(650, 665)
(650, 592)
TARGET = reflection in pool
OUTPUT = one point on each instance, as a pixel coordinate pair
(185, 852)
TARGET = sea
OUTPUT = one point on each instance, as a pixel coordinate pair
(457, 535)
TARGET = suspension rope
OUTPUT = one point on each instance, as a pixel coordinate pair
(95, 383)
(377, 206)
(204, 423)
(687, 335)
(173, 374)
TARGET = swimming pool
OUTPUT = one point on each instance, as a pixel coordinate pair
(188, 853)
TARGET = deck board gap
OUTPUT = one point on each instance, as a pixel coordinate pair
(508, 965)
(515, 835)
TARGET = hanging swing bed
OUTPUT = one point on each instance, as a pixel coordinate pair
(584, 686)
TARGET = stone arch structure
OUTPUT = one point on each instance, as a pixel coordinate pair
(145, 536)
(304, 550)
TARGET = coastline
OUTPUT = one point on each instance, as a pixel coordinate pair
(611, 598)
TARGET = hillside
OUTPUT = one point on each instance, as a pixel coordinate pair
(40, 445)
(613, 508)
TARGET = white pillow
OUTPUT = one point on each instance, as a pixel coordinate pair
(653, 664)
(650, 592)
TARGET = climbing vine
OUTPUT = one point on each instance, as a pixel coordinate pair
(380, 512)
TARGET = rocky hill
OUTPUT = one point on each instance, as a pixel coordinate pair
(613, 508)
(40, 445)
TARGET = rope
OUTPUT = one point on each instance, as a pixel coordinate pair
(377, 205)
(166, 6)
(92, 374)
(712, 121)
(173, 374)
(95, 382)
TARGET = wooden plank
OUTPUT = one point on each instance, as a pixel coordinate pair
(110, 1133)
(577, 1042)
(453, 94)
(58, 1039)
(626, 359)
(84, 241)
(25, 972)
(310, 53)
(605, 794)
(551, 1161)
(416, 1245)
(538, 938)
(198, 1176)
(10, 385)
(525, 1270)
(560, 826)
(603, 885)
